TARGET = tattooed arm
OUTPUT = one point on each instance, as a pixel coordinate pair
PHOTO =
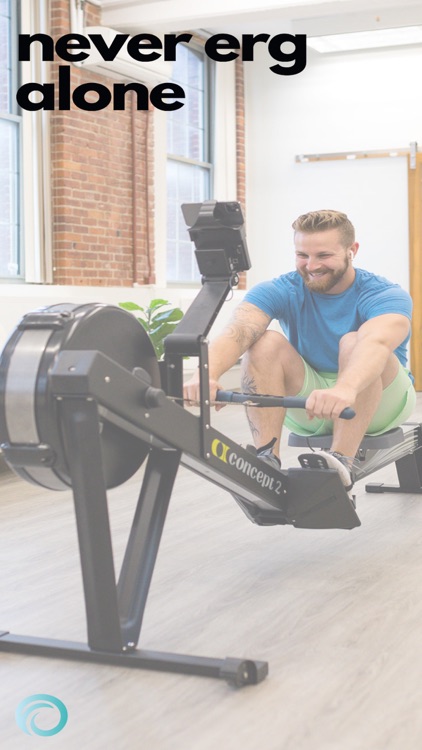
(246, 326)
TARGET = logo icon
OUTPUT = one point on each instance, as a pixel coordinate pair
(29, 710)
(219, 450)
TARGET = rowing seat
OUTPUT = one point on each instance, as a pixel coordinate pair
(370, 442)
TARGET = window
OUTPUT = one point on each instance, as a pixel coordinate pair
(10, 138)
(189, 168)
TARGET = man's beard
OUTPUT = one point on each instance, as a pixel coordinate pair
(325, 283)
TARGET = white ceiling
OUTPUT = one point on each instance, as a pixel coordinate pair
(311, 17)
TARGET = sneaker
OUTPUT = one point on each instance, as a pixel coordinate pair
(269, 457)
(266, 454)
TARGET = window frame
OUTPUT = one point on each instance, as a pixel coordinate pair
(36, 172)
(14, 115)
(209, 125)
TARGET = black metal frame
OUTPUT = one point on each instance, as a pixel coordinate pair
(88, 386)
(409, 470)
(114, 612)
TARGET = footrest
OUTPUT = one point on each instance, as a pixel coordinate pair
(312, 461)
(316, 461)
(317, 499)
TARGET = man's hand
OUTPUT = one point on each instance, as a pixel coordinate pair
(191, 391)
(245, 327)
(329, 403)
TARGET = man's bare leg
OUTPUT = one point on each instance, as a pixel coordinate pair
(348, 434)
(271, 366)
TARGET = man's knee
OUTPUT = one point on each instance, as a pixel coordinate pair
(347, 343)
(346, 346)
(269, 347)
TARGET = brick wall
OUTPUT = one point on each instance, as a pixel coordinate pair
(103, 187)
(103, 181)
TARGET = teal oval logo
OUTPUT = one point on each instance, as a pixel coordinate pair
(29, 710)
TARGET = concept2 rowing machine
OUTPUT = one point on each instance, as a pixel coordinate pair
(82, 407)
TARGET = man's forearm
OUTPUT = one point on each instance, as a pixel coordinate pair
(366, 363)
(247, 325)
(377, 339)
(223, 353)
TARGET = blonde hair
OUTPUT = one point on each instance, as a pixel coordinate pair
(322, 221)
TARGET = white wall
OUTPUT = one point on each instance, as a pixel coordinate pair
(354, 101)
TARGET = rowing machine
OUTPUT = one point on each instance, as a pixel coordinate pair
(80, 387)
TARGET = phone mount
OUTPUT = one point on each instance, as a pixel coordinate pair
(217, 230)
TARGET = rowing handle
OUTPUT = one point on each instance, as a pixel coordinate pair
(287, 402)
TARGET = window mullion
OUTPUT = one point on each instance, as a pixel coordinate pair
(189, 163)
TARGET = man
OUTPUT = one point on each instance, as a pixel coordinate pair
(346, 332)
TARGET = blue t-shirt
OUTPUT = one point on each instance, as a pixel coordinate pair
(315, 322)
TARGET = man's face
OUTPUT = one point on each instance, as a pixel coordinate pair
(323, 261)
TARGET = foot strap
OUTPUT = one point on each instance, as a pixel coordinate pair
(312, 461)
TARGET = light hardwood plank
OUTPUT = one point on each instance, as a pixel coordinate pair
(335, 613)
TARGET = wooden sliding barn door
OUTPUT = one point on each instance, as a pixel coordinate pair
(415, 262)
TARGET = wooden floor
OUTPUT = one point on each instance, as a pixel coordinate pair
(337, 614)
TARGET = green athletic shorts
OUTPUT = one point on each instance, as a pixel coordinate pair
(397, 404)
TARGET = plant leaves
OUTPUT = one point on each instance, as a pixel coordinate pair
(159, 349)
(157, 323)
(167, 316)
(160, 333)
(130, 306)
(158, 303)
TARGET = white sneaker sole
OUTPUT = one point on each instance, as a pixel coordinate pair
(341, 469)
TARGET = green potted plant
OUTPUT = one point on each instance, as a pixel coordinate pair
(157, 322)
